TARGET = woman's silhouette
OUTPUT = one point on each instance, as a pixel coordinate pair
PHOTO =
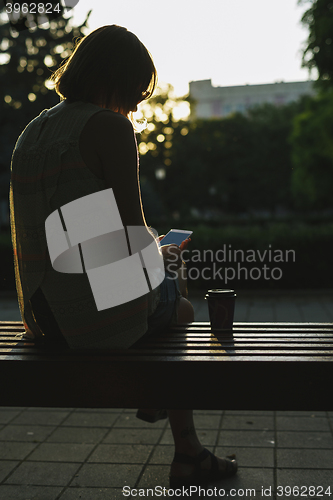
(81, 146)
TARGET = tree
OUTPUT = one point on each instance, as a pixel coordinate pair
(312, 154)
(312, 136)
(271, 157)
(229, 165)
(319, 50)
(233, 164)
(155, 143)
(27, 59)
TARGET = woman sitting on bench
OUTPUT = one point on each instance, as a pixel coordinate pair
(75, 151)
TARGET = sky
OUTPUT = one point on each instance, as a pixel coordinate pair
(231, 42)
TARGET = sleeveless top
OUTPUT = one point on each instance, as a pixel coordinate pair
(47, 172)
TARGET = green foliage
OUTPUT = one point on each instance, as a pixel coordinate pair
(306, 255)
(312, 154)
(319, 50)
(31, 57)
(5, 240)
(217, 166)
(156, 145)
(188, 169)
(310, 244)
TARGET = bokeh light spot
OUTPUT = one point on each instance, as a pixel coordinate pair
(160, 173)
(143, 148)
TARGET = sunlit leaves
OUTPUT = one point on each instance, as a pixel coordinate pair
(318, 52)
(313, 154)
(27, 60)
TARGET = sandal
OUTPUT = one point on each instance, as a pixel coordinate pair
(200, 476)
(147, 417)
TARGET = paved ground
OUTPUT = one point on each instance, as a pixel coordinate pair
(72, 454)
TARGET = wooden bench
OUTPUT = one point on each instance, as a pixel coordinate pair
(259, 366)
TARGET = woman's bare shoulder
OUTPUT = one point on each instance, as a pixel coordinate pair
(106, 121)
(107, 134)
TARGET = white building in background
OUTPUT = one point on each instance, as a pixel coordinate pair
(218, 102)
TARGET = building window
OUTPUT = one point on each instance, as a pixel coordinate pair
(227, 109)
(280, 99)
(216, 108)
(240, 108)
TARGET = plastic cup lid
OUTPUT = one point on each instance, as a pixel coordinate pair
(219, 292)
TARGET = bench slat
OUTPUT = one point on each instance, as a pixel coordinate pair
(206, 325)
(176, 355)
(239, 337)
(202, 347)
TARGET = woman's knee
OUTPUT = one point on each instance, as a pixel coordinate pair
(185, 311)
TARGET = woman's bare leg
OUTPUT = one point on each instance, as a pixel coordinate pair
(183, 432)
(185, 311)
(185, 315)
(187, 442)
(181, 421)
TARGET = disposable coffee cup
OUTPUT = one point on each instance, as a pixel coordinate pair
(221, 306)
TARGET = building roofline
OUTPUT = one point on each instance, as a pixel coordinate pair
(252, 85)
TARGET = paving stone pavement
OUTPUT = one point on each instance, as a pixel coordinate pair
(72, 454)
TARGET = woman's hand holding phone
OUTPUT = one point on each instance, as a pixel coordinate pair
(172, 256)
(172, 253)
(184, 244)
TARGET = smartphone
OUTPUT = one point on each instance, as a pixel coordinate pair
(176, 236)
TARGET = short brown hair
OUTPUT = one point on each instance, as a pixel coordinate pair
(109, 65)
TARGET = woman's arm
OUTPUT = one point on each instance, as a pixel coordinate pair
(114, 142)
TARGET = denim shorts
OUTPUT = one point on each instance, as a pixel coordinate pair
(166, 313)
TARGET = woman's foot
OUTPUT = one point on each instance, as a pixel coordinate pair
(203, 466)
